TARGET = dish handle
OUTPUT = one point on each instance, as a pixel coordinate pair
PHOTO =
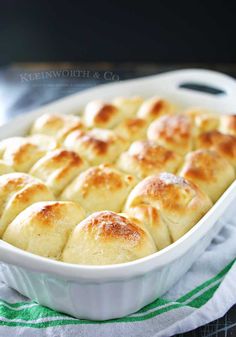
(200, 80)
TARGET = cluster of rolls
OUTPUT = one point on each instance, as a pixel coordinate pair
(123, 181)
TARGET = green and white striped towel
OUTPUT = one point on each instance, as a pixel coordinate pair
(204, 294)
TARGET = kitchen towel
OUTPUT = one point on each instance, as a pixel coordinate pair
(204, 293)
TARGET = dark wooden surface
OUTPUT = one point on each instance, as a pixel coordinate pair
(24, 87)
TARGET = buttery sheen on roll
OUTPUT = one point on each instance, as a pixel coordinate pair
(97, 146)
(209, 170)
(57, 125)
(17, 192)
(22, 152)
(179, 202)
(106, 238)
(174, 132)
(145, 158)
(100, 187)
(224, 144)
(44, 227)
(100, 114)
(154, 108)
(58, 168)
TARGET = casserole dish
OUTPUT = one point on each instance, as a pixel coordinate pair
(106, 292)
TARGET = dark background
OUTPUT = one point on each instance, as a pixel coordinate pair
(118, 31)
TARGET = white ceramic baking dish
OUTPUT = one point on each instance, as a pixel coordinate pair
(105, 292)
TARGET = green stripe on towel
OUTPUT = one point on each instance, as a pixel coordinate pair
(30, 314)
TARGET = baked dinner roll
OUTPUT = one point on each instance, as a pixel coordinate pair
(100, 187)
(179, 202)
(96, 146)
(132, 129)
(206, 122)
(221, 143)
(18, 191)
(152, 221)
(107, 238)
(44, 227)
(145, 158)
(228, 124)
(129, 105)
(99, 114)
(194, 112)
(58, 168)
(57, 125)
(203, 120)
(175, 132)
(5, 168)
(153, 108)
(22, 152)
(209, 170)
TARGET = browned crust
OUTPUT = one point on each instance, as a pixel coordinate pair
(25, 195)
(109, 225)
(157, 107)
(203, 165)
(224, 144)
(172, 191)
(62, 125)
(134, 124)
(100, 177)
(99, 146)
(104, 113)
(150, 154)
(231, 123)
(20, 152)
(172, 127)
(49, 214)
(61, 155)
(13, 181)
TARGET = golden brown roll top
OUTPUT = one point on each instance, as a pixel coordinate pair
(96, 146)
(107, 238)
(22, 152)
(180, 204)
(145, 158)
(154, 108)
(57, 125)
(175, 132)
(18, 191)
(203, 120)
(224, 144)
(44, 227)
(58, 168)
(206, 122)
(100, 187)
(132, 129)
(100, 114)
(228, 124)
(128, 105)
(209, 170)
